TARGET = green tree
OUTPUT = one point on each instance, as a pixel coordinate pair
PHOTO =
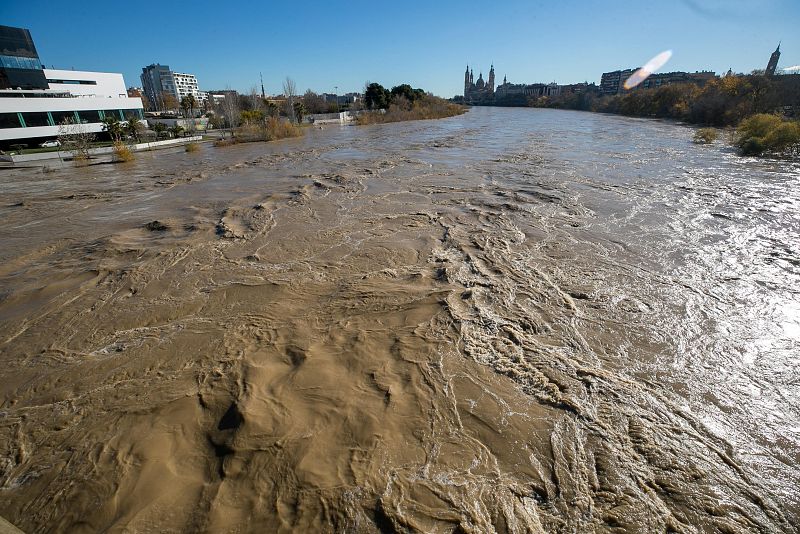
(405, 91)
(134, 126)
(299, 111)
(113, 128)
(159, 128)
(188, 103)
(176, 130)
(376, 96)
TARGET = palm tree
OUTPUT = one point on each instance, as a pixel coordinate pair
(113, 127)
(176, 130)
(134, 126)
(159, 128)
(188, 103)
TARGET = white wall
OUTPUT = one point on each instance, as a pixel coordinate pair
(109, 84)
(21, 105)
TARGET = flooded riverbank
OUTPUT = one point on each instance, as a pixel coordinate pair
(514, 320)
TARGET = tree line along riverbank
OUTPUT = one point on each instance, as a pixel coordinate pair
(764, 111)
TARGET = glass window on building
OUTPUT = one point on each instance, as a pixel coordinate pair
(134, 112)
(90, 116)
(36, 119)
(60, 116)
(14, 62)
(9, 120)
(112, 113)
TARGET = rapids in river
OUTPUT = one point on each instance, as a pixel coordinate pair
(515, 320)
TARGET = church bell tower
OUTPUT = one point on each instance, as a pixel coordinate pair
(773, 61)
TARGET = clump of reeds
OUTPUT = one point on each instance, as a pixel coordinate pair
(122, 152)
(705, 136)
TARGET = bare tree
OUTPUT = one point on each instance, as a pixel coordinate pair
(75, 137)
(231, 110)
(256, 101)
(289, 91)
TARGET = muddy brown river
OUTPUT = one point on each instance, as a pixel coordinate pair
(515, 320)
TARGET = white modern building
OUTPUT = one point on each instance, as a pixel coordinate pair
(81, 83)
(30, 116)
(35, 102)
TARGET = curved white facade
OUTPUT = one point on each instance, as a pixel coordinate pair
(86, 97)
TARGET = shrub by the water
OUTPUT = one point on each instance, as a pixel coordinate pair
(766, 133)
(122, 152)
(192, 147)
(705, 136)
(271, 129)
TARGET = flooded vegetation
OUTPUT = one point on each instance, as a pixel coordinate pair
(513, 320)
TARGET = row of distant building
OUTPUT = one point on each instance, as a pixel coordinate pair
(611, 83)
(163, 89)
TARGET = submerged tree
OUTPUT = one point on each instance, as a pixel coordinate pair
(76, 138)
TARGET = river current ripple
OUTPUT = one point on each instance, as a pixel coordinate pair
(514, 320)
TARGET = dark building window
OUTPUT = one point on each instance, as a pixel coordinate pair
(90, 116)
(60, 116)
(19, 63)
(16, 42)
(135, 112)
(74, 82)
(36, 119)
(9, 120)
(112, 113)
(22, 79)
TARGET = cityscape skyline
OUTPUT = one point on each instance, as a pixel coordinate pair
(565, 44)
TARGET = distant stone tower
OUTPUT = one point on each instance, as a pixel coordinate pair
(466, 83)
(773, 61)
(490, 83)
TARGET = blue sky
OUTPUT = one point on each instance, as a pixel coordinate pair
(427, 44)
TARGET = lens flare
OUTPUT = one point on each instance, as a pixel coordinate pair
(649, 68)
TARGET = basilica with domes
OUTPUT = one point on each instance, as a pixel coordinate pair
(480, 91)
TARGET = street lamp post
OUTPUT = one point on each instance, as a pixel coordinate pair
(336, 96)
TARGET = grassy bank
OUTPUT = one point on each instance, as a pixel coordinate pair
(271, 129)
(425, 107)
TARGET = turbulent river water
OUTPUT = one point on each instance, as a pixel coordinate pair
(514, 320)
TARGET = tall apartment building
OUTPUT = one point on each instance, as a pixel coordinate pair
(159, 79)
(611, 83)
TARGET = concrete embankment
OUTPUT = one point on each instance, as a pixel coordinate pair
(61, 154)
